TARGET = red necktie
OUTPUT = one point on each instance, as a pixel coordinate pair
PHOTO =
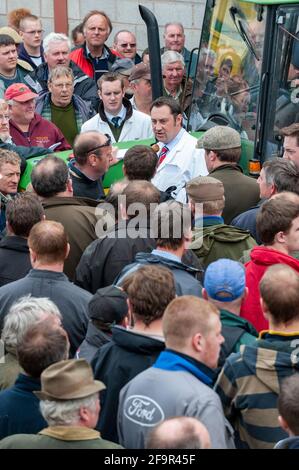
(163, 154)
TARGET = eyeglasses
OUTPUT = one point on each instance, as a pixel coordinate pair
(128, 44)
(105, 144)
(38, 31)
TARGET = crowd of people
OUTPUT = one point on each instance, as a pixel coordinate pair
(163, 314)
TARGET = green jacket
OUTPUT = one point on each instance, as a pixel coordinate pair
(216, 240)
(59, 437)
(249, 333)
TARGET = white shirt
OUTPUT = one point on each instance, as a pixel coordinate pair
(183, 162)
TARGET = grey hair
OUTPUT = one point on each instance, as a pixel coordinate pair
(55, 37)
(60, 71)
(23, 314)
(171, 56)
(66, 412)
(174, 24)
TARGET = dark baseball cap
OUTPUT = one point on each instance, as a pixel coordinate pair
(108, 305)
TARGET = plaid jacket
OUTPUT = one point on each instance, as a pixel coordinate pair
(248, 386)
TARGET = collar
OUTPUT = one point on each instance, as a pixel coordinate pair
(105, 53)
(227, 166)
(175, 361)
(77, 172)
(70, 433)
(121, 114)
(45, 273)
(176, 96)
(174, 141)
(167, 255)
(208, 220)
(273, 335)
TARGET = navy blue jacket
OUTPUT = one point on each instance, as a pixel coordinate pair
(19, 408)
(184, 276)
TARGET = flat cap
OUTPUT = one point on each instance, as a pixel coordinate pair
(219, 138)
(140, 70)
(205, 189)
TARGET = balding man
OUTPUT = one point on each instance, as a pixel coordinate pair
(124, 44)
(250, 381)
(179, 383)
(51, 181)
(92, 158)
(48, 249)
(94, 57)
(174, 39)
(179, 433)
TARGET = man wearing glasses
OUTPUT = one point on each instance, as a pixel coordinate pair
(125, 45)
(92, 158)
(31, 50)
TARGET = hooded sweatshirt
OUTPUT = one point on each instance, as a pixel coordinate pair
(261, 258)
(214, 240)
(249, 385)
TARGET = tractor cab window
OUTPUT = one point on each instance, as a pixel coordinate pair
(283, 109)
(227, 84)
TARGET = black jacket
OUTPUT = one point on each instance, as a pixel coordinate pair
(118, 362)
(84, 186)
(104, 258)
(85, 87)
(92, 343)
(71, 300)
(14, 259)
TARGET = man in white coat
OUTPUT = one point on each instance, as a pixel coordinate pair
(116, 116)
(178, 159)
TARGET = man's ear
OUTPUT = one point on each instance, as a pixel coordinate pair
(197, 340)
(204, 294)
(69, 185)
(68, 247)
(280, 237)
(33, 256)
(284, 425)
(265, 308)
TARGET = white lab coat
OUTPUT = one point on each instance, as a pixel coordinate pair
(183, 163)
(137, 127)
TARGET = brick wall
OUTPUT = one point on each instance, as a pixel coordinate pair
(124, 14)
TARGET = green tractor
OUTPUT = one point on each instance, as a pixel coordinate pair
(258, 41)
(247, 73)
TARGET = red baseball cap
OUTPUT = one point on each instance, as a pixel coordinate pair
(19, 92)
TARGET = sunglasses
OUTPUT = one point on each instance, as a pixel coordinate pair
(128, 44)
(105, 144)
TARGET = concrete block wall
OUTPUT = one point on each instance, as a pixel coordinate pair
(124, 14)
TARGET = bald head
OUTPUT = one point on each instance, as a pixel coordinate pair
(50, 177)
(279, 288)
(48, 242)
(87, 141)
(179, 433)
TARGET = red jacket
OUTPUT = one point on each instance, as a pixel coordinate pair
(80, 58)
(261, 258)
(42, 133)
